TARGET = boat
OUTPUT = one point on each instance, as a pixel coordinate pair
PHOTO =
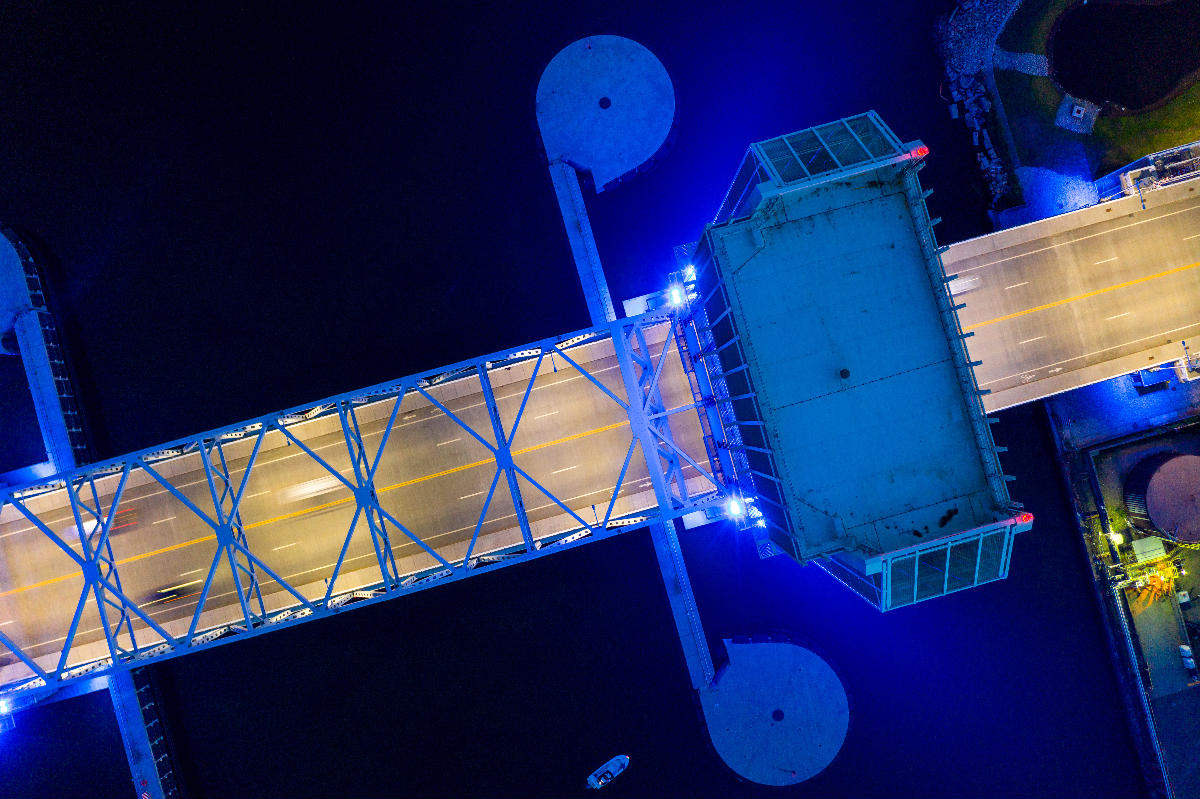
(608, 772)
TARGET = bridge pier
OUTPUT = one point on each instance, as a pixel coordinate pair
(143, 733)
(777, 714)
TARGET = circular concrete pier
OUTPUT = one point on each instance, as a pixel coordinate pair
(778, 713)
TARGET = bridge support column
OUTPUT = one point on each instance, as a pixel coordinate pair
(143, 734)
(583, 244)
(683, 605)
(22, 310)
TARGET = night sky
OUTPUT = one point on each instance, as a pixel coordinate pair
(242, 211)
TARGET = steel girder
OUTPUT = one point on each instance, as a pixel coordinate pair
(229, 459)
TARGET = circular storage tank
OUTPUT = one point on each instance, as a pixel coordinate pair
(1162, 495)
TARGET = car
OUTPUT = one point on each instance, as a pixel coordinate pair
(608, 772)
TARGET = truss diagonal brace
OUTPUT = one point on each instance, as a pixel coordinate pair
(365, 494)
(504, 459)
(231, 533)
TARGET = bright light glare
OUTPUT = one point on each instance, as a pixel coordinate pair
(675, 295)
(5, 707)
(689, 273)
(761, 522)
(734, 507)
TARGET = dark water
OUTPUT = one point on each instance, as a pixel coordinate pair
(254, 211)
(1128, 54)
(22, 443)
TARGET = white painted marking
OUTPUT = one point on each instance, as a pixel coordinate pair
(1118, 316)
(1105, 261)
(6, 623)
(451, 441)
(569, 468)
(285, 546)
(1028, 340)
(1097, 352)
(1016, 285)
(259, 494)
(544, 415)
(1074, 241)
(181, 585)
(1189, 238)
(193, 571)
(476, 494)
(160, 521)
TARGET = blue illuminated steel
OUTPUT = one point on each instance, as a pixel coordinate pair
(133, 638)
(583, 244)
(142, 734)
(24, 311)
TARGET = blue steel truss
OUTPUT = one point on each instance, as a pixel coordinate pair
(132, 637)
(720, 377)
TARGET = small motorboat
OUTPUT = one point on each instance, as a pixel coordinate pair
(608, 772)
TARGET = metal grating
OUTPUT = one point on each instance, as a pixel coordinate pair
(812, 154)
(948, 565)
(960, 569)
(991, 557)
(904, 573)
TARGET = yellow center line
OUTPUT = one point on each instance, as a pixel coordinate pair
(322, 506)
(1056, 303)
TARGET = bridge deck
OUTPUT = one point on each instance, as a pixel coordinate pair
(1082, 297)
(433, 476)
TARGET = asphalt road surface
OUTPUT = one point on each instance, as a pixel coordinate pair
(1081, 297)
(434, 477)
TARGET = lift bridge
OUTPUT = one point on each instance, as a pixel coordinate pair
(802, 374)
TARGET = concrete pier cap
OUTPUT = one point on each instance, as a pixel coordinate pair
(777, 713)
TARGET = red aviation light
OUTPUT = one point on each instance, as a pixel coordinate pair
(920, 152)
(1025, 518)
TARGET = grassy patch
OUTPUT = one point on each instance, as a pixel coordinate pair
(1031, 102)
(1029, 27)
(1126, 139)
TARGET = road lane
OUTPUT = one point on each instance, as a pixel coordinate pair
(433, 476)
(1081, 297)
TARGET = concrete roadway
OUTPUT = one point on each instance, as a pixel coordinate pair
(1081, 297)
(433, 477)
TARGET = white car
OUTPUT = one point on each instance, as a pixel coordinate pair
(608, 772)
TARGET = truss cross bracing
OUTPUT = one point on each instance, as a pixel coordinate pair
(364, 496)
